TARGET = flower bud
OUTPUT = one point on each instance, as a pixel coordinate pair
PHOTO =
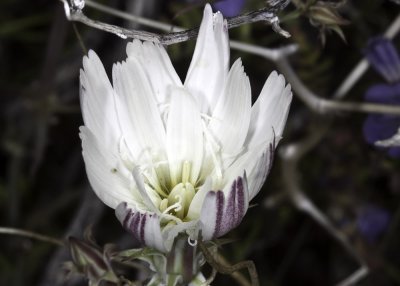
(323, 14)
(90, 262)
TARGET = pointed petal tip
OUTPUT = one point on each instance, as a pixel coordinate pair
(238, 62)
(207, 9)
(92, 53)
(90, 58)
(120, 211)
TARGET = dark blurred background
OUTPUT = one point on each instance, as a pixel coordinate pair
(43, 185)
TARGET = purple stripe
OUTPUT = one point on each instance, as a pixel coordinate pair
(230, 211)
(271, 157)
(240, 200)
(220, 211)
(142, 227)
(133, 227)
(128, 215)
(272, 147)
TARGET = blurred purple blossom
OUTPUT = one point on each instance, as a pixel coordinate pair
(229, 8)
(384, 58)
(372, 222)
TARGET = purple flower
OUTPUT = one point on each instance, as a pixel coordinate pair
(384, 58)
(372, 222)
(229, 8)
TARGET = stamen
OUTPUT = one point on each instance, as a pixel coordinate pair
(170, 217)
(155, 180)
(186, 168)
(179, 198)
(176, 206)
(163, 205)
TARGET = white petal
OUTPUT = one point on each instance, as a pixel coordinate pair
(98, 102)
(269, 112)
(184, 135)
(145, 226)
(138, 114)
(143, 191)
(209, 66)
(107, 176)
(231, 117)
(198, 199)
(157, 66)
(243, 163)
(224, 210)
(259, 171)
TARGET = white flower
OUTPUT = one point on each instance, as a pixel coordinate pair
(178, 158)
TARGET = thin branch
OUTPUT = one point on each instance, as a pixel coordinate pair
(322, 105)
(238, 276)
(271, 54)
(293, 153)
(363, 65)
(225, 268)
(279, 55)
(290, 155)
(30, 234)
(355, 277)
(266, 15)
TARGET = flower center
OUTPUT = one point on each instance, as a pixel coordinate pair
(174, 195)
(178, 200)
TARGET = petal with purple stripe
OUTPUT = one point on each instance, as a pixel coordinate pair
(223, 211)
(145, 226)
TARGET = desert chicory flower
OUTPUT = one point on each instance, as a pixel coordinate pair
(229, 8)
(384, 58)
(175, 158)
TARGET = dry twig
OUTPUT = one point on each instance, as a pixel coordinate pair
(266, 15)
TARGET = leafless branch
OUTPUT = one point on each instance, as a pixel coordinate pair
(279, 55)
(322, 105)
(270, 54)
(292, 154)
(266, 15)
